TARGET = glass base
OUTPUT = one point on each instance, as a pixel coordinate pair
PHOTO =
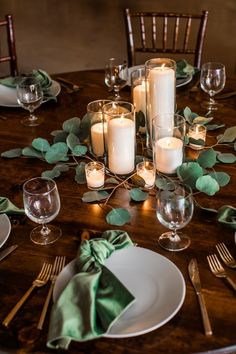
(41, 238)
(170, 243)
(211, 106)
(29, 122)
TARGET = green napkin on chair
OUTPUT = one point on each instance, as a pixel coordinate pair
(184, 69)
(41, 75)
(94, 298)
(7, 207)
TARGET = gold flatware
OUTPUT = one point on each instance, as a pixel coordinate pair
(40, 280)
(225, 255)
(218, 270)
(195, 279)
(7, 251)
(58, 265)
(73, 86)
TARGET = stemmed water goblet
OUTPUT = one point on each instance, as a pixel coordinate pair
(30, 96)
(174, 210)
(116, 76)
(42, 205)
(212, 81)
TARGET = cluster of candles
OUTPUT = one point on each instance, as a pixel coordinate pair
(113, 130)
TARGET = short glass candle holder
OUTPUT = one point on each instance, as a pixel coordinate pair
(95, 175)
(198, 133)
(147, 171)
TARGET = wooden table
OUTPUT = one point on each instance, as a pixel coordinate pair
(182, 334)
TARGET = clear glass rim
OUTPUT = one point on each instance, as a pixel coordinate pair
(118, 103)
(96, 102)
(181, 120)
(159, 61)
(52, 186)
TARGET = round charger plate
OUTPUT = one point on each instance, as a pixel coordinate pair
(179, 82)
(5, 228)
(156, 283)
(8, 94)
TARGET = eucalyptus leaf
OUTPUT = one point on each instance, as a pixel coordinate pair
(118, 217)
(211, 210)
(207, 185)
(12, 153)
(85, 128)
(60, 137)
(221, 177)
(140, 120)
(164, 183)
(31, 152)
(72, 140)
(94, 196)
(62, 167)
(235, 146)
(199, 142)
(139, 158)
(189, 172)
(138, 181)
(79, 150)
(138, 195)
(214, 126)
(56, 152)
(80, 176)
(55, 132)
(41, 144)
(202, 120)
(72, 125)
(207, 158)
(229, 135)
(111, 181)
(51, 173)
(226, 157)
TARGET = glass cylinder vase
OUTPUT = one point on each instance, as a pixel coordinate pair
(121, 136)
(138, 93)
(98, 128)
(168, 143)
(160, 92)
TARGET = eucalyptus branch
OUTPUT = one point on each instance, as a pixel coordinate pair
(117, 186)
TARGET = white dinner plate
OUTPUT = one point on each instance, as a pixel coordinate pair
(5, 228)
(8, 96)
(156, 283)
(179, 82)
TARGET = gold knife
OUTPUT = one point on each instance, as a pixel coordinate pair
(195, 279)
(7, 251)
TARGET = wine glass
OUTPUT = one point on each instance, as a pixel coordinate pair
(174, 211)
(42, 204)
(30, 96)
(116, 76)
(212, 80)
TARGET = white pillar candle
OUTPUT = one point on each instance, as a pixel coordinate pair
(98, 134)
(146, 170)
(161, 86)
(95, 175)
(197, 131)
(139, 100)
(168, 154)
(121, 145)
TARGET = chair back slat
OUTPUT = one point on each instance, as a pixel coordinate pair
(164, 32)
(11, 55)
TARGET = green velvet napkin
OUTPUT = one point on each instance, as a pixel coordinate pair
(7, 207)
(184, 69)
(94, 298)
(41, 75)
(227, 216)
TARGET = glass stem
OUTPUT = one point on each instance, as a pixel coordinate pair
(32, 116)
(45, 230)
(174, 236)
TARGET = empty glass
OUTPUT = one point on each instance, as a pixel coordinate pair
(174, 211)
(30, 97)
(42, 204)
(116, 76)
(212, 80)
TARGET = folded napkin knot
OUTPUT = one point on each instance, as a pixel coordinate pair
(94, 298)
(227, 216)
(7, 207)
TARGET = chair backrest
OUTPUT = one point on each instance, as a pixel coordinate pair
(162, 32)
(8, 53)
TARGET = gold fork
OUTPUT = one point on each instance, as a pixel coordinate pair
(225, 255)
(218, 270)
(40, 280)
(58, 265)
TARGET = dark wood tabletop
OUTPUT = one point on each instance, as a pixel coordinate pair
(184, 333)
